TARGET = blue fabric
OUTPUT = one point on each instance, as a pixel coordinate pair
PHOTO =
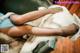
(5, 22)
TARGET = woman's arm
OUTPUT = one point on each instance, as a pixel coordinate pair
(21, 19)
(16, 31)
(22, 30)
(67, 30)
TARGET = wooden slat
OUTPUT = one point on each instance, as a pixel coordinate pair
(74, 8)
(77, 46)
(64, 46)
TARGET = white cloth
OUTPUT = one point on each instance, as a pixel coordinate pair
(56, 20)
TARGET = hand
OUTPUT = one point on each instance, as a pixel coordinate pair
(55, 10)
(42, 8)
(9, 13)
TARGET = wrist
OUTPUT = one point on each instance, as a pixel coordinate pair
(51, 11)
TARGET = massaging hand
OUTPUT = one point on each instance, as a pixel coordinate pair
(51, 10)
(6, 15)
(9, 13)
(55, 10)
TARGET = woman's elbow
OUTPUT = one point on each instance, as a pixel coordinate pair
(16, 19)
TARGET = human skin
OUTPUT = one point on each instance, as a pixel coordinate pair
(21, 19)
(20, 29)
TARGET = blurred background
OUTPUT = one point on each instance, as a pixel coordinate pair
(20, 6)
(24, 6)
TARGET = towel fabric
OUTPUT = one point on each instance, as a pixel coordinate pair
(5, 22)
